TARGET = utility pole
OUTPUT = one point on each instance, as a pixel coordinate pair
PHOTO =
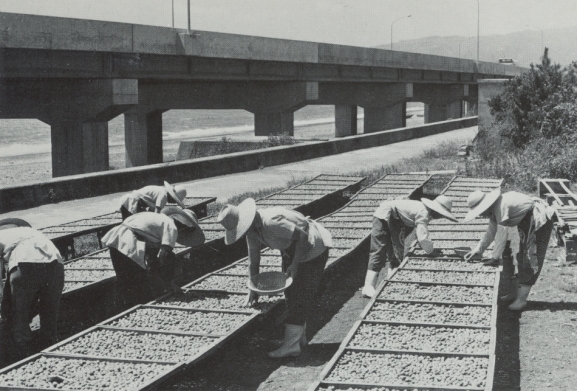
(188, 14)
(478, 28)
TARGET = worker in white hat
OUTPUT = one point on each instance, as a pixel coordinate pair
(534, 221)
(141, 250)
(35, 280)
(151, 198)
(304, 246)
(394, 223)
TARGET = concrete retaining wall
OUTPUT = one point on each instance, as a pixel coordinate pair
(95, 184)
(488, 89)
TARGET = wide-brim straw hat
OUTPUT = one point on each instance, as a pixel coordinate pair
(236, 220)
(191, 236)
(479, 202)
(13, 222)
(178, 193)
(442, 205)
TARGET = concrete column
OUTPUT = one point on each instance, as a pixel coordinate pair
(455, 110)
(72, 154)
(143, 137)
(488, 89)
(384, 118)
(345, 120)
(95, 140)
(267, 123)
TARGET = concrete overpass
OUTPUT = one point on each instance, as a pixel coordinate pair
(76, 75)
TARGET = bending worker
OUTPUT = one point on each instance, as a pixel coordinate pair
(393, 221)
(507, 237)
(534, 221)
(141, 250)
(35, 280)
(304, 246)
(151, 198)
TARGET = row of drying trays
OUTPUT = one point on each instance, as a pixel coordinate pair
(63, 235)
(95, 269)
(558, 194)
(143, 346)
(432, 325)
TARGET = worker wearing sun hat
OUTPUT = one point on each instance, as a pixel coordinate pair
(534, 221)
(392, 222)
(141, 250)
(35, 279)
(151, 198)
(303, 244)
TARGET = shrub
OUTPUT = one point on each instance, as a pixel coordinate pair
(538, 103)
(227, 145)
(274, 140)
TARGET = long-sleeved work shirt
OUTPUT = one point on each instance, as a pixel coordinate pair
(26, 245)
(275, 228)
(153, 196)
(412, 214)
(152, 228)
(504, 235)
(508, 210)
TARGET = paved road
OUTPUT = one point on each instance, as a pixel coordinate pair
(228, 185)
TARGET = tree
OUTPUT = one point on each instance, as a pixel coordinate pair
(537, 103)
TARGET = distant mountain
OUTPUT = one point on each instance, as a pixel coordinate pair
(523, 46)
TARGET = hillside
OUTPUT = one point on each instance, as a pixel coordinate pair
(523, 46)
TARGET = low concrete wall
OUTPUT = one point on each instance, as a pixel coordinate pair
(95, 184)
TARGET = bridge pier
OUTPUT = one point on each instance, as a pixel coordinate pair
(345, 120)
(442, 101)
(78, 147)
(77, 110)
(143, 137)
(383, 103)
(273, 122)
(79, 115)
(384, 118)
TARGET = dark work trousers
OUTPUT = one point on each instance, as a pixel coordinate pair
(136, 285)
(31, 285)
(125, 213)
(528, 274)
(381, 246)
(388, 243)
(301, 294)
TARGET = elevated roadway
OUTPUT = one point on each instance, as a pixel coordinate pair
(76, 75)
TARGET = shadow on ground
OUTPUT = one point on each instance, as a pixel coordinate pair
(242, 365)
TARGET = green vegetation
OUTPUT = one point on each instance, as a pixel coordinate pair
(535, 130)
(227, 145)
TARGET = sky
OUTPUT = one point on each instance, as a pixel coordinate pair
(348, 22)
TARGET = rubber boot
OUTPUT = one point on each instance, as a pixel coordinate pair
(303, 341)
(521, 301)
(371, 278)
(291, 345)
(511, 290)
